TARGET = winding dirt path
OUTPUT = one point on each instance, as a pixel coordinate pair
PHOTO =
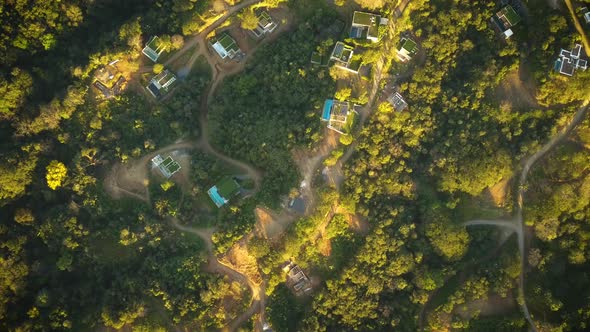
(517, 224)
(214, 265)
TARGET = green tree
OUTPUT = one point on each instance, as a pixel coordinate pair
(56, 173)
(158, 68)
(248, 19)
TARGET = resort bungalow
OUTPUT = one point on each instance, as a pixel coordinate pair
(569, 61)
(342, 57)
(397, 101)
(366, 26)
(222, 192)
(340, 115)
(225, 46)
(153, 49)
(406, 49)
(505, 19)
(162, 81)
(266, 25)
(167, 166)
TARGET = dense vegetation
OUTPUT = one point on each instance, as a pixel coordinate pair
(386, 251)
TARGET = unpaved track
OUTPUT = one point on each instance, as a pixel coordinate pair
(517, 224)
(215, 266)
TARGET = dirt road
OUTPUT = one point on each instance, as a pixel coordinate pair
(215, 266)
(517, 224)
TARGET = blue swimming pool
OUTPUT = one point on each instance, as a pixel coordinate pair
(216, 197)
(327, 109)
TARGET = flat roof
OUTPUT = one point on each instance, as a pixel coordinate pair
(228, 43)
(508, 16)
(342, 52)
(152, 49)
(264, 19)
(228, 187)
(367, 19)
(409, 45)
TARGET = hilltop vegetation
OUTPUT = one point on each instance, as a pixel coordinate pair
(384, 241)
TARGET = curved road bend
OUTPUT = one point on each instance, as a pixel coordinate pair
(517, 224)
(214, 265)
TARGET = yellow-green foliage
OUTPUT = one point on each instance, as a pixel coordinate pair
(56, 173)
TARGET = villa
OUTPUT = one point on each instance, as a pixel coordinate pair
(569, 61)
(366, 26)
(340, 115)
(167, 167)
(225, 46)
(505, 19)
(162, 81)
(153, 49)
(266, 25)
(342, 56)
(222, 192)
(406, 49)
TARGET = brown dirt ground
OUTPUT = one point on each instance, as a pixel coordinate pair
(493, 305)
(240, 260)
(325, 247)
(498, 192)
(269, 225)
(358, 224)
(516, 92)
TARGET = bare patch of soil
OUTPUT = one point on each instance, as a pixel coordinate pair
(498, 192)
(358, 224)
(325, 247)
(240, 260)
(516, 92)
(493, 305)
(271, 226)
